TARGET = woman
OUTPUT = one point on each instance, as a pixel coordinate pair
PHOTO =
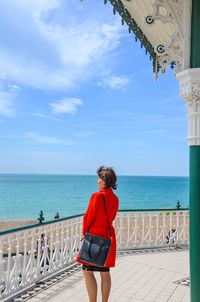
(95, 219)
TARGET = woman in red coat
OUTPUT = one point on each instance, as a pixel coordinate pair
(95, 222)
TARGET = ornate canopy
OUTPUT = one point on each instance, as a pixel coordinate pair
(163, 28)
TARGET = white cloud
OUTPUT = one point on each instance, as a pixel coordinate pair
(2, 75)
(44, 53)
(13, 87)
(116, 82)
(6, 104)
(37, 6)
(41, 139)
(80, 44)
(67, 105)
(36, 74)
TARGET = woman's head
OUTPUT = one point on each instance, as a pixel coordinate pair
(107, 177)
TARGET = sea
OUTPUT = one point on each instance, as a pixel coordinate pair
(23, 196)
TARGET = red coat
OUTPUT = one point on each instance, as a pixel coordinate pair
(96, 214)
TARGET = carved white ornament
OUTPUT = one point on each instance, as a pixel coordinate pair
(190, 91)
(171, 13)
(166, 24)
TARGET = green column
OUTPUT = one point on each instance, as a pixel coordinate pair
(195, 34)
(195, 222)
(195, 170)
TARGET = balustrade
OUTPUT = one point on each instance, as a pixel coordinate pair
(29, 254)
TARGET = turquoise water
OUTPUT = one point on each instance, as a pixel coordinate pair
(24, 196)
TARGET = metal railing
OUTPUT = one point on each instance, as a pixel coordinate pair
(152, 228)
(29, 254)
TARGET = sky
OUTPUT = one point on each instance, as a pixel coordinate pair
(77, 92)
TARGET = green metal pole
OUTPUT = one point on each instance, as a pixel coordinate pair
(195, 223)
(195, 170)
(195, 34)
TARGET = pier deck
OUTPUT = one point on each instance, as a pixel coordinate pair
(145, 276)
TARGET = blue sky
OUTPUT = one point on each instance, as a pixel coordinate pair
(77, 92)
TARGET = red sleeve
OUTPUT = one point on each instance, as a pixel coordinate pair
(91, 212)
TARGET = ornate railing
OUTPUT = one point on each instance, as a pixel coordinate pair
(32, 253)
(152, 228)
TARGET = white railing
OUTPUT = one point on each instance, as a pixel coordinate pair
(31, 253)
(141, 229)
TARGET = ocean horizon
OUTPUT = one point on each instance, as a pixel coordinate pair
(24, 195)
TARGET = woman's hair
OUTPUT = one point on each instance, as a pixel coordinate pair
(107, 174)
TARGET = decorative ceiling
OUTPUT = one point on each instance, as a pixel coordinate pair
(163, 28)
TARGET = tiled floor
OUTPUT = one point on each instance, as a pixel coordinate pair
(138, 277)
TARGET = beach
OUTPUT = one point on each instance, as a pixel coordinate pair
(5, 225)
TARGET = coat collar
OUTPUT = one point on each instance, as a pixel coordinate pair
(105, 190)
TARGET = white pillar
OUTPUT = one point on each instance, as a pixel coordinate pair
(190, 91)
(189, 81)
